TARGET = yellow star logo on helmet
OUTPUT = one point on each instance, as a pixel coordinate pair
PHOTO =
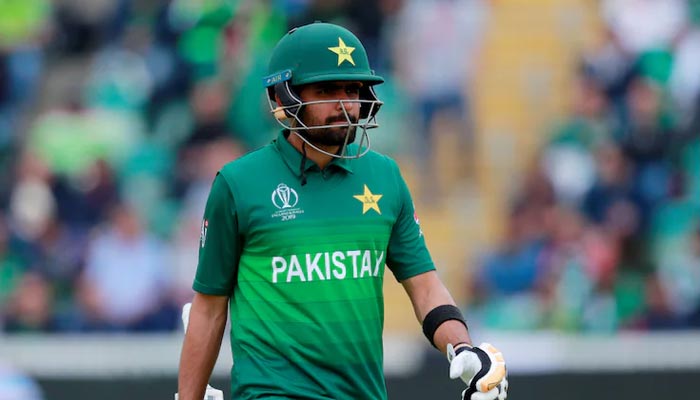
(344, 52)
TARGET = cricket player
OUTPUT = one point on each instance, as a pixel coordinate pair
(295, 238)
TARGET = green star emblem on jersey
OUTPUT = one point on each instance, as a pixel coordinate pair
(344, 52)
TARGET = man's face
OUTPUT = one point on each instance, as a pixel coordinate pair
(331, 113)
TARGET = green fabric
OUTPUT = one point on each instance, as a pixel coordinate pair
(22, 20)
(630, 290)
(511, 313)
(691, 166)
(71, 142)
(307, 307)
(656, 64)
(10, 273)
(201, 44)
(249, 110)
(209, 12)
(694, 11)
(582, 132)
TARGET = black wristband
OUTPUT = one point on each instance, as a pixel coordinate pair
(437, 316)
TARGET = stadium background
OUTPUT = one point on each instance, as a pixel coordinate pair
(552, 147)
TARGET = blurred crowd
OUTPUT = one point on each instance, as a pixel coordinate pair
(604, 233)
(116, 114)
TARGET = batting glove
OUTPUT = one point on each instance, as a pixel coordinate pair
(482, 368)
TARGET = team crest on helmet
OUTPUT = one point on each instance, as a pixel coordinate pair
(344, 52)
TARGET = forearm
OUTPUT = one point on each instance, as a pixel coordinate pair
(201, 347)
(427, 292)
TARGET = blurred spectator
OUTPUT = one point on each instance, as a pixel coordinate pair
(30, 306)
(83, 200)
(142, 102)
(32, 204)
(679, 279)
(684, 81)
(85, 26)
(254, 33)
(508, 280)
(568, 159)
(581, 263)
(365, 18)
(23, 25)
(72, 137)
(435, 53)
(16, 385)
(646, 142)
(659, 312)
(612, 201)
(203, 163)
(118, 293)
(202, 25)
(640, 25)
(209, 102)
(12, 265)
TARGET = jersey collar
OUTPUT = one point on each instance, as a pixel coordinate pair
(292, 156)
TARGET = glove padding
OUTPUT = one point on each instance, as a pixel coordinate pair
(482, 368)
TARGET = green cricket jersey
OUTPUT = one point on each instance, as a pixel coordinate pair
(304, 266)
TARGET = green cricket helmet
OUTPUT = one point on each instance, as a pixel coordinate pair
(321, 52)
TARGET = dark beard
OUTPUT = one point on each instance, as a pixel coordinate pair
(334, 136)
(329, 136)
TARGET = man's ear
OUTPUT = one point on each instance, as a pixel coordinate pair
(278, 112)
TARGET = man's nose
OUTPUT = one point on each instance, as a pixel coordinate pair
(348, 103)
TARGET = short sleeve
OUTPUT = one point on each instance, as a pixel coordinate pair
(407, 255)
(219, 243)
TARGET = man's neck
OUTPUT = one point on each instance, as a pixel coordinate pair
(322, 160)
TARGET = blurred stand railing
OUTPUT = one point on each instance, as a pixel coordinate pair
(86, 356)
(542, 366)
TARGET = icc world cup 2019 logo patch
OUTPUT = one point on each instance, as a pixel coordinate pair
(285, 199)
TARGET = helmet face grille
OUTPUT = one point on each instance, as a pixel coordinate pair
(289, 117)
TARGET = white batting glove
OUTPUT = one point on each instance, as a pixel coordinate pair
(482, 368)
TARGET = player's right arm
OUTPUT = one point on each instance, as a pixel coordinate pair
(213, 285)
(201, 345)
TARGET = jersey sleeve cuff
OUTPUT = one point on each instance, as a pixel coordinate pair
(410, 273)
(204, 289)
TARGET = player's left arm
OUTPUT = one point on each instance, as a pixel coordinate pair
(481, 367)
(427, 292)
